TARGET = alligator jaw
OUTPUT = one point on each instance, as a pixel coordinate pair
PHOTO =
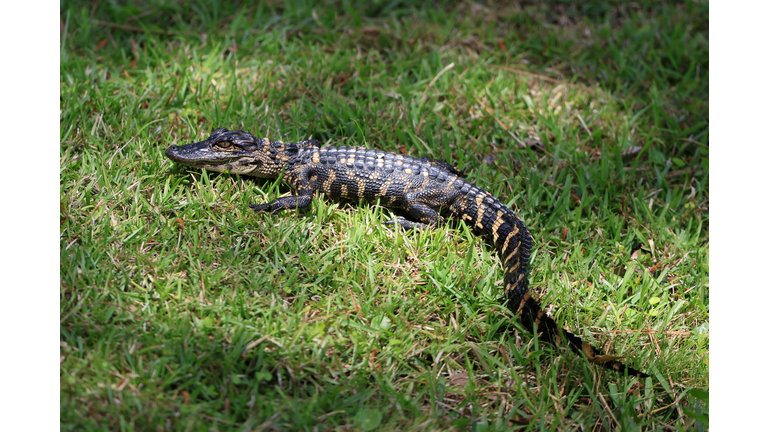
(224, 151)
(195, 154)
(200, 155)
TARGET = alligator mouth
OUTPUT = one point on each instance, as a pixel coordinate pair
(185, 154)
(198, 153)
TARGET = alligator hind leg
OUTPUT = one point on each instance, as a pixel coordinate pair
(424, 214)
(441, 164)
(410, 224)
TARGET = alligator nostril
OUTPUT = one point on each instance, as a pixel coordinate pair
(171, 151)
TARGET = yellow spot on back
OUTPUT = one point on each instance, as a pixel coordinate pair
(511, 254)
(509, 237)
(327, 184)
(360, 188)
(480, 210)
(384, 187)
(496, 224)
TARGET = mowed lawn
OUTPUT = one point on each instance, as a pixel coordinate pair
(181, 309)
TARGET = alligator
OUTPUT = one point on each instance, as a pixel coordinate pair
(426, 189)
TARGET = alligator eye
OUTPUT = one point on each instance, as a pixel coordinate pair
(224, 144)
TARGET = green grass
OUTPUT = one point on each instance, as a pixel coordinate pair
(183, 310)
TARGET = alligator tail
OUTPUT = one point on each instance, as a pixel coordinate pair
(514, 243)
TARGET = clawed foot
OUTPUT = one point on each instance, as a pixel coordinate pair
(259, 207)
(408, 224)
(264, 207)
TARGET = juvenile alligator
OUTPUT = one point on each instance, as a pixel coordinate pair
(423, 187)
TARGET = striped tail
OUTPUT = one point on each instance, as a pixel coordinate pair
(514, 243)
(531, 315)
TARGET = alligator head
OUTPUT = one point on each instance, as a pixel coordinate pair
(236, 152)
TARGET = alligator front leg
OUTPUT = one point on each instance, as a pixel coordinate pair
(300, 181)
(284, 203)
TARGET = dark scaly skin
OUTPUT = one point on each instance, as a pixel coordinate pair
(423, 187)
